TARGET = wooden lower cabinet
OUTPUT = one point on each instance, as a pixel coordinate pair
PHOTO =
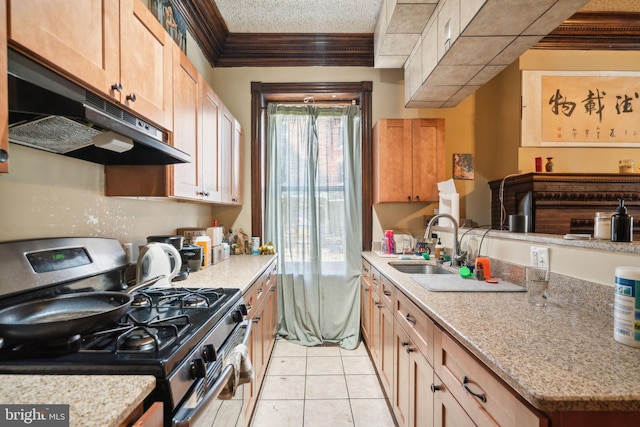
(413, 377)
(262, 309)
(382, 342)
(447, 412)
(423, 369)
(482, 395)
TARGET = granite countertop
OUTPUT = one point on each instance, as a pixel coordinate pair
(81, 393)
(238, 271)
(558, 358)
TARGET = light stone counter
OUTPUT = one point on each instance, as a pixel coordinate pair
(558, 358)
(93, 399)
(238, 271)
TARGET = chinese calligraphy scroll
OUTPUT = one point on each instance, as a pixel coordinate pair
(581, 109)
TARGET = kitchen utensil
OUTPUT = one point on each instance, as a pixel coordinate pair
(66, 315)
(154, 260)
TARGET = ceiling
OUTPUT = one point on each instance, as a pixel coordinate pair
(240, 33)
(299, 16)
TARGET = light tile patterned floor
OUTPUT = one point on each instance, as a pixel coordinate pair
(320, 387)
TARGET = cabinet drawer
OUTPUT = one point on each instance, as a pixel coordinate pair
(387, 292)
(416, 324)
(376, 278)
(484, 397)
(366, 270)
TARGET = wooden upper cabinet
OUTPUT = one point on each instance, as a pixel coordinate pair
(236, 164)
(210, 113)
(186, 82)
(81, 40)
(118, 49)
(146, 63)
(230, 158)
(409, 159)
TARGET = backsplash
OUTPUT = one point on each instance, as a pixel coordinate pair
(563, 290)
(47, 195)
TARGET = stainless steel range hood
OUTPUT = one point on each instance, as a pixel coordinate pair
(49, 112)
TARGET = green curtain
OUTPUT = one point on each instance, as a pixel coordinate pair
(313, 217)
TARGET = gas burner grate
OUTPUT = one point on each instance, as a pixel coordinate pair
(137, 336)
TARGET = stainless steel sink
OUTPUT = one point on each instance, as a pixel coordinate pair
(420, 268)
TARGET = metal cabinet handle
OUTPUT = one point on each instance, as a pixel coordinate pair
(131, 97)
(378, 304)
(4, 155)
(435, 387)
(410, 319)
(480, 396)
(256, 319)
(408, 198)
(417, 197)
(117, 87)
(387, 293)
(409, 349)
(404, 343)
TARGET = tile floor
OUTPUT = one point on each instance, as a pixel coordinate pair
(320, 387)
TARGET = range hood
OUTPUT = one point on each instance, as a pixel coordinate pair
(49, 112)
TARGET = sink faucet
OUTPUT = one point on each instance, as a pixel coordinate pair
(457, 257)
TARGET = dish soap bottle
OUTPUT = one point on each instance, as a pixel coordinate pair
(439, 249)
(621, 224)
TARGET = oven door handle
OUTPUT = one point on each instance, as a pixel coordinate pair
(194, 414)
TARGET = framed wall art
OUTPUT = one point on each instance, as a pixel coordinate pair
(581, 108)
(171, 20)
(463, 166)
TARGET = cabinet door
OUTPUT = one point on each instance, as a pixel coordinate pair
(186, 176)
(146, 64)
(386, 348)
(227, 127)
(211, 110)
(420, 394)
(392, 180)
(236, 164)
(447, 412)
(401, 379)
(428, 157)
(80, 39)
(366, 302)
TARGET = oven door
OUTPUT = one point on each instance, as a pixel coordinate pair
(208, 410)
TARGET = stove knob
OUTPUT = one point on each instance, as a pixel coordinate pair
(236, 316)
(198, 369)
(209, 353)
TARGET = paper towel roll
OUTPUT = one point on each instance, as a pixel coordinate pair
(449, 204)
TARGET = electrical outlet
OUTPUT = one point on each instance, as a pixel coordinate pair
(539, 257)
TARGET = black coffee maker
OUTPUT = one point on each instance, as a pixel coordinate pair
(191, 257)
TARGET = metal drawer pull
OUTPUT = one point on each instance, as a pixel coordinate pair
(387, 293)
(409, 349)
(410, 319)
(480, 396)
(378, 304)
(257, 319)
(435, 388)
(404, 343)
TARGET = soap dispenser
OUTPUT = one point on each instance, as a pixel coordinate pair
(439, 249)
(621, 224)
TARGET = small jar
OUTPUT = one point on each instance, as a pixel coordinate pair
(625, 166)
(602, 225)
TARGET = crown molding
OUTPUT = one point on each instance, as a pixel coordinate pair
(595, 31)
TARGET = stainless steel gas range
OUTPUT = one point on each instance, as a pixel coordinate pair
(65, 308)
